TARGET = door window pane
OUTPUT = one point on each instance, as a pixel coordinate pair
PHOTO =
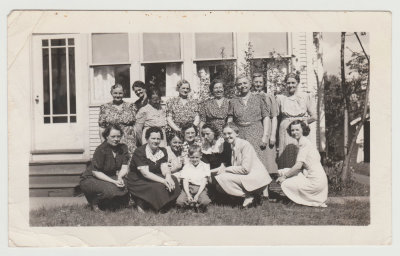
(214, 45)
(106, 76)
(161, 47)
(72, 93)
(266, 43)
(57, 42)
(46, 82)
(60, 119)
(110, 48)
(59, 80)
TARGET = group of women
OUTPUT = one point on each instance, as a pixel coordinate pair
(144, 145)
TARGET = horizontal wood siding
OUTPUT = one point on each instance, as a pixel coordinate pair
(94, 138)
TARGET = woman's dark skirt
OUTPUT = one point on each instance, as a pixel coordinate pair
(153, 193)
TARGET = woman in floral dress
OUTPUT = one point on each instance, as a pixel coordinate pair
(215, 111)
(182, 110)
(249, 113)
(120, 113)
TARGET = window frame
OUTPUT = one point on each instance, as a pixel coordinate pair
(288, 45)
(234, 45)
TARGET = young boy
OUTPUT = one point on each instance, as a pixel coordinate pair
(195, 175)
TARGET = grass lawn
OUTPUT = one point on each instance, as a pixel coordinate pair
(350, 213)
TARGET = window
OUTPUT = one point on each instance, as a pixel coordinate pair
(110, 65)
(214, 58)
(266, 43)
(162, 60)
(59, 96)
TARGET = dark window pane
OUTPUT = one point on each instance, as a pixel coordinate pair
(71, 41)
(106, 76)
(59, 80)
(46, 82)
(57, 42)
(72, 93)
(47, 120)
(72, 119)
(214, 45)
(266, 43)
(45, 42)
(110, 48)
(161, 46)
(60, 119)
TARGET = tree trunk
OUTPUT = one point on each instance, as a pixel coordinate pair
(346, 164)
(344, 175)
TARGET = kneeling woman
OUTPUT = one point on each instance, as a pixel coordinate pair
(149, 180)
(103, 179)
(306, 182)
(247, 175)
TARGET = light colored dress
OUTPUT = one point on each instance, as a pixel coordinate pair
(247, 172)
(147, 117)
(296, 107)
(309, 187)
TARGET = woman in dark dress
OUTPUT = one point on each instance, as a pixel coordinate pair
(150, 181)
(102, 181)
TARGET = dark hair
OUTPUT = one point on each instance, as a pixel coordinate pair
(212, 128)
(188, 126)
(232, 126)
(138, 83)
(292, 75)
(152, 90)
(194, 149)
(153, 129)
(182, 82)
(241, 76)
(304, 127)
(115, 86)
(172, 135)
(108, 129)
(214, 82)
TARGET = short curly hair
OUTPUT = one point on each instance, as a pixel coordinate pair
(214, 82)
(231, 125)
(304, 127)
(173, 134)
(212, 128)
(110, 127)
(188, 126)
(292, 75)
(154, 129)
(182, 82)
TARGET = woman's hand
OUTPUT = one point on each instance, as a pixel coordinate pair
(281, 179)
(119, 183)
(169, 183)
(264, 142)
(272, 141)
(221, 170)
(196, 198)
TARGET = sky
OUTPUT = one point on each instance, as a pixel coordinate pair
(331, 49)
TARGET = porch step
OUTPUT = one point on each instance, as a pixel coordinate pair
(55, 178)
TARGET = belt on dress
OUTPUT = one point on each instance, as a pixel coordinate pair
(245, 124)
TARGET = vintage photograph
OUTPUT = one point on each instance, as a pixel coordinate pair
(200, 129)
(176, 127)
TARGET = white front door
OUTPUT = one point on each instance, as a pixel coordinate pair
(57, 110)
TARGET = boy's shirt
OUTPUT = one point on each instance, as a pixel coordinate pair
(195, 174)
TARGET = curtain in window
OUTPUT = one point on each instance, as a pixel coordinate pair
(173, 75)
(103, 79)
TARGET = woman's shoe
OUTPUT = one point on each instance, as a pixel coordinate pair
(248, 200)
(95, 208)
